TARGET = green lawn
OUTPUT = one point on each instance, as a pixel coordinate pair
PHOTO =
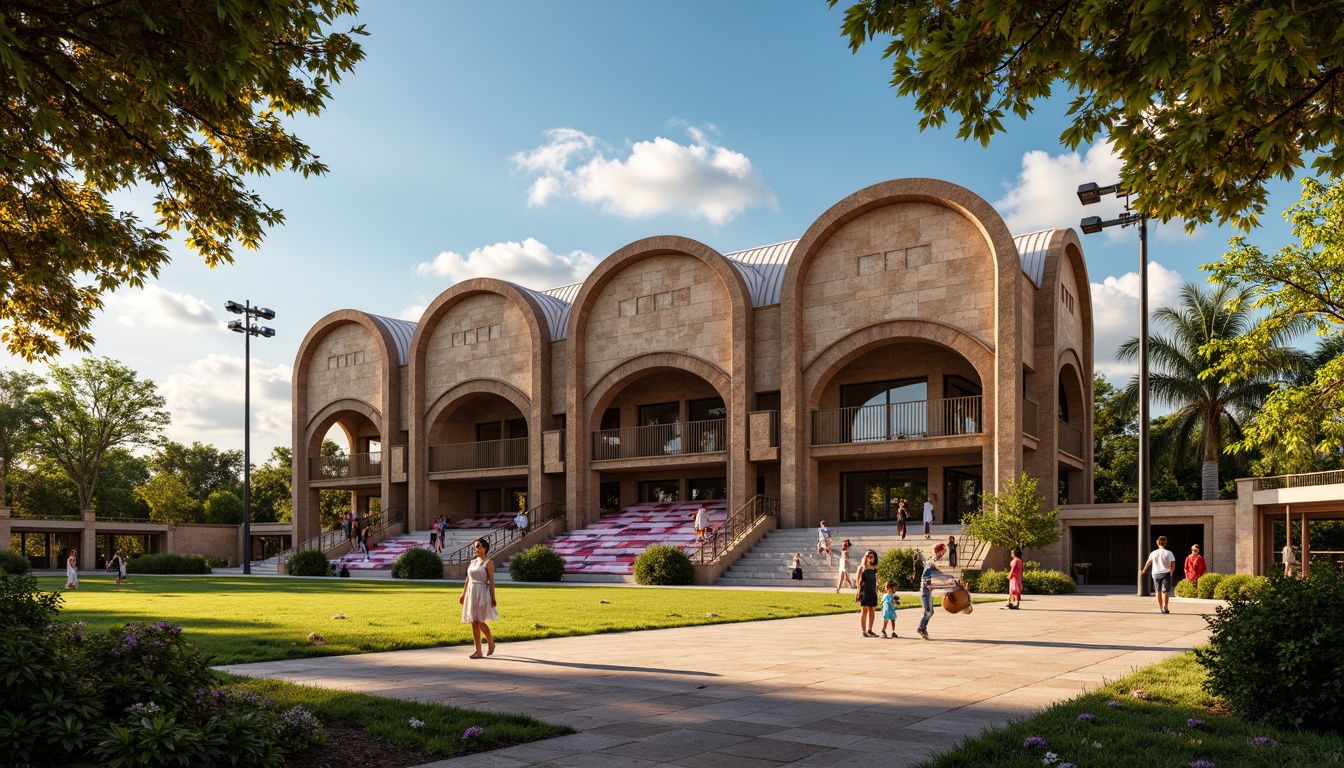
(236, 619)
(1154, 732)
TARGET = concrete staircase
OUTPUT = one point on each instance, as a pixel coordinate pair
(770, 563)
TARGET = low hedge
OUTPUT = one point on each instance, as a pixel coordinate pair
(1208, 583)
(1186, 588)
(13, 563)
(1240, 586)
(1035, 581)
(417, 563)
(994, 581)
(664, 565)
(903, 566)
(309, 562)
(540, 563)
(168, 563)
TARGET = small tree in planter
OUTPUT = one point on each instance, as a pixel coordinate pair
(1013, 518)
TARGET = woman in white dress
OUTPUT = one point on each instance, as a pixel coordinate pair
(844, 568)
(478, 598)
(72, 571)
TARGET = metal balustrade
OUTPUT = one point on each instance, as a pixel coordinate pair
(1306, 480)
(1070, 439)
(721, 540)
(676, 439)
(507, 534)
(898, 421)
(341, 466)
(483, 454)
(378, 522)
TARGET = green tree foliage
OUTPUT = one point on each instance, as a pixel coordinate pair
(169, 500)
(1115, 446)
(272, 500)
(1207, 411)
(115, 495)
(1301, 426)
(1204, 101)
(185, 99)
(224, 507)
(43, 490)
(204, 468)
(1014, 518)
(332, 504)
(92, 407)
(19, 410)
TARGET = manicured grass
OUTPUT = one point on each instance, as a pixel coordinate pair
(236, 619)
(1152, 732)
(389, 720)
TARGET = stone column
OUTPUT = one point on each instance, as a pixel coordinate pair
(5, 530)
(88, 543)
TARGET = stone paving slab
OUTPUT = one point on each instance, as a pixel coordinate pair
(809, 691)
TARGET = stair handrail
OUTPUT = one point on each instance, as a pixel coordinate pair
(325, 540)
(721, 540)
(504, 535)
(977, 548)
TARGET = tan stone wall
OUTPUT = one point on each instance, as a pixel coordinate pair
(347, 364)
(661, 303)
(1069, 326)
(905, 260)
(1217, 517)
(457, 352)
(459, 425)
(222, 541)
(765, 349)
(404, 423)
(1026, 321)
(559, 372)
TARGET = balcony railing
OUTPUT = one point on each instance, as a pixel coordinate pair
(1031, 422)
(898, 421)
(1308, 480)
(677, 439)
(484, 454)
(340, 467)
(1070, 439)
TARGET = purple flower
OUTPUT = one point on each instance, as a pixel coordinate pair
(1088, 717)
(1066, 765)
(1139, 693)
(1202, 764)
(1034, 742)
(1263, 741)
(1194, 722)
(473, 732)
(1113, 704)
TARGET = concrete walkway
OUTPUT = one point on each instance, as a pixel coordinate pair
(810, 691)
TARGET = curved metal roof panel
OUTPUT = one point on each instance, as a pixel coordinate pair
(401, 331)
(1033, 249)
(763, 270)
(555, 304)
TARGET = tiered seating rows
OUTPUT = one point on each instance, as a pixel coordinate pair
(611, 544)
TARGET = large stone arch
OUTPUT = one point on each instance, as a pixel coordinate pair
(305, 511)
(605, 390)
(580, 492)
(1006, 343)
(536, 403)
(323, 420)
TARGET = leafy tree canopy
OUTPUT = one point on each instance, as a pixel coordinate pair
(1204, 101)
(204, 468)
(18, 420)
(1302, 284)
(185, 99)
(1013, 517)
(169, 500)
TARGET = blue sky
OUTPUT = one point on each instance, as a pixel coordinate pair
(529, 140)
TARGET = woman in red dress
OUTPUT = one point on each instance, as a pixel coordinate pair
(1194, 565)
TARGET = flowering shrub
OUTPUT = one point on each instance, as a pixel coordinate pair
(1034, 742)
(1194, 722)
(472, 732)
(1262, 741)
(1088, 717)
(1113, 704)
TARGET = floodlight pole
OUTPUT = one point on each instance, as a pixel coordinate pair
(248, 330)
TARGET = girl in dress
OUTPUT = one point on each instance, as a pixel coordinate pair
(902, 517)
(1015, 580)
(866, 594)
(478, 598)
(844, 568)
(889, 610)
(118, 561)
(72, 571)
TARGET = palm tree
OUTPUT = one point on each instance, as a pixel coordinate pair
(1207, 409)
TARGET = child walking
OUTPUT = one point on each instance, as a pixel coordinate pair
(1015, 580)
(889, 610)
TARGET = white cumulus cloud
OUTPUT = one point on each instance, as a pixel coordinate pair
(1115, 313)
(154, 307)
(697, 179)
(529, 263)
(206, 400)
(412, 313)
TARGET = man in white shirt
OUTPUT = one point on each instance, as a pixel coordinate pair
(928, 514)
(1161, 560)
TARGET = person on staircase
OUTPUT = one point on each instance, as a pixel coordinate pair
(928, 513)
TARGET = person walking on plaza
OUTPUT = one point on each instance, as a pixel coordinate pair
(1289, 559)
(1195, 565)
(72, 571)
(824, 541)
(932, 578)
(118, 561)
(889, 610)
(952, 551)
(866, 593)
(928, 514)
(844, 568)
(1161, 560)
(1015, 570)
(902, 517)
(478, 598)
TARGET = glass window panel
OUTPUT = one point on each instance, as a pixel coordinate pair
(516, 428)
(706, 488)
(490, 430)
(609, 496)
(611, 418)
(659, 413)
(659, 491)
(706, 409)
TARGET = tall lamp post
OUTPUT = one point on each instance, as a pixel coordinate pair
(246, 327)
(1088, 194)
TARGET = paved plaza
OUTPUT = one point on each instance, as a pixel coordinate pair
(809, 691)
